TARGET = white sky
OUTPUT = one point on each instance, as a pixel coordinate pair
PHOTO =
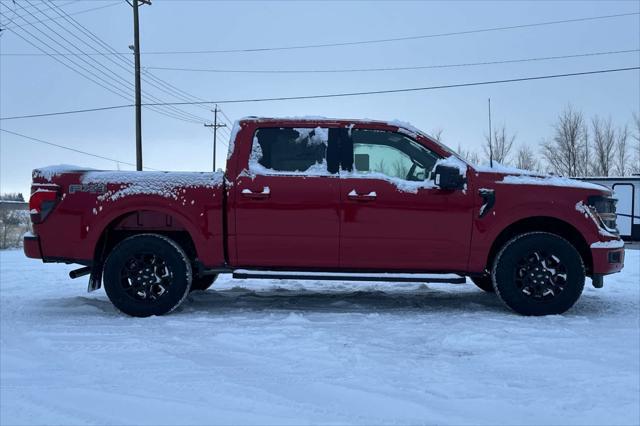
(39, 84)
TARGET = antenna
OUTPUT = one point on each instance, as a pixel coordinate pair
(490, 136)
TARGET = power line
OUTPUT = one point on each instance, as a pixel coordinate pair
(364, 42)
(406, 68)
(126, 65)
(78, 12)
(344, 94)
(94, 73)
(70, 148)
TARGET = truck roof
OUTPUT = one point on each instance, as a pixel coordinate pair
(311, 119)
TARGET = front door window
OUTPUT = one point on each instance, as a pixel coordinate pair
(392, 155)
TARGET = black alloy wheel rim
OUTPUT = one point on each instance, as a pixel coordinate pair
(541, 275)
(146, 277)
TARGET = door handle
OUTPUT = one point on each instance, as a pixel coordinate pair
(247, 193)
(353, 195)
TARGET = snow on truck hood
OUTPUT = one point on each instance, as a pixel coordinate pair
(514, 176)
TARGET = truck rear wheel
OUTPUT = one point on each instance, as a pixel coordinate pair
(203, 282)
(538, 274)
(147, 274)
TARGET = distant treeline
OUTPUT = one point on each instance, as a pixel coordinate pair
(577, 147)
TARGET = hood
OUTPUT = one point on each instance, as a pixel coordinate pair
(513, 176)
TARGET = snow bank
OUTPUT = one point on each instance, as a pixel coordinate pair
(315, 352)
(164, 184)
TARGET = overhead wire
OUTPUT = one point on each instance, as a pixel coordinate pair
(375, 41)
(68, 148)
(88, 73)
(78, 12)
(403, 68)
(123, 63)
(88, 70)
(156, 82)
(343, 94)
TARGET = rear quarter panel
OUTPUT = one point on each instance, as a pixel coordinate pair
(93, 201)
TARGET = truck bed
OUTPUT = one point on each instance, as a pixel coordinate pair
(94, 200)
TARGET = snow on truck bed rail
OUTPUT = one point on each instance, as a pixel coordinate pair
(49, 172)
(165, 184)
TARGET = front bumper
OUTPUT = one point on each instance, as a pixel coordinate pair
(31, 246)
(607, 260)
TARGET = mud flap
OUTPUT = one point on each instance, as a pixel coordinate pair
(95, 279)
(597, 280)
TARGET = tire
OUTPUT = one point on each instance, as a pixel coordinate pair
(538, 273)
(203, 282)
(484, 282)
(147, 274)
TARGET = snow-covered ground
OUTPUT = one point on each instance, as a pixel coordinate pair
(293, 352)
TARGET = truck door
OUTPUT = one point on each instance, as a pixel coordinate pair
(393, 216)
(287, 201)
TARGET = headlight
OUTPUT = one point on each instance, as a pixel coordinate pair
(604, 209)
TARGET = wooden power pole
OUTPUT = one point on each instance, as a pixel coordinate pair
(136, 54)
(215, 127)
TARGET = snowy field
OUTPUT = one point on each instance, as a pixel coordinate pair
(293, 352)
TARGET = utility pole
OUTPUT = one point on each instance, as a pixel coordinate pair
(136, 54)
(490, 138)
(215, 126)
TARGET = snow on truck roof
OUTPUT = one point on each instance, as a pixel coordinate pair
(316, 118)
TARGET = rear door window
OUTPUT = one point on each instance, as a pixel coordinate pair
(278, 150)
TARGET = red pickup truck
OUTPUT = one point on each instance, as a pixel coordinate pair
(317, 198)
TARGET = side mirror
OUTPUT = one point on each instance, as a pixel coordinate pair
(449, 178)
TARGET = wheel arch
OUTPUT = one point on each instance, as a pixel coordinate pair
(142, 220)
(548, 224)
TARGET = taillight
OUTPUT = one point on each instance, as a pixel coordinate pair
(42, 202)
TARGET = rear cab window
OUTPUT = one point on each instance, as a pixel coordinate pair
(290, 151)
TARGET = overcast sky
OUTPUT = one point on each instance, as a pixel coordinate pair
(39, 84)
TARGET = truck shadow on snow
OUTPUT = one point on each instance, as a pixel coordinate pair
(366, 300)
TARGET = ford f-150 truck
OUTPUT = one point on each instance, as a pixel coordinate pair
(316, 198)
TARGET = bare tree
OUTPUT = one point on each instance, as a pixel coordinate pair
(526, 159)
(604, 144)
(622, 152)
(568, 152)
(469, 155)
(635, 167)
(501, 144)
(437, 134)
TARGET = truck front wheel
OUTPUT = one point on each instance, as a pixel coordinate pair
(484, 282)
(147, 274)
(538, 273)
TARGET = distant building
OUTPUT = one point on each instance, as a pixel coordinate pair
(627, 190)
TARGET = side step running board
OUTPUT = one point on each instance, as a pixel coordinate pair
(348, 276)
